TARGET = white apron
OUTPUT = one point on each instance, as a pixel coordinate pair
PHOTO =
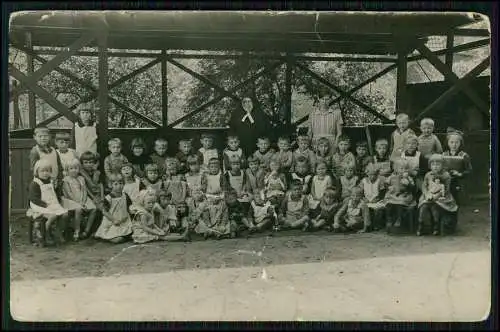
(118, 209)
(51, 157)
(132, 189)
(48, 196)
(85, 139)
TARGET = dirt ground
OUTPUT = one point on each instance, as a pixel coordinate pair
(91, 258)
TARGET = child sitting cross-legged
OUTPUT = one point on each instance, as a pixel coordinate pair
(45, 205)
(294, 212)
(77, 199)
(354, 214)
(145, 227)
(400, 199)
(214, 219)
(262, 214)
(116, 225)
(324, 214)
(164, 211)
(275, 183)
(436, 205)
(237, 214)
(374, 189)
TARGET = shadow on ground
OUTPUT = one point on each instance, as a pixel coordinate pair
(93, 258)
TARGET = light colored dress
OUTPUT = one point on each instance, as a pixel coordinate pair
(207, 155)
(275, 185)
(132, 189)
(119, 210)
(445, 201)
(213, 185)
(372, 192)
(296, 210)
(348, 185)
(237, 182)
(48, 195)
(76, 194)
(177, 186)
(260, 212)
(339, 161)
(85, 139)
(318, 187)
(66, 158)
(400, 193)
(230, 155)
(193, 181)
(398, 141)
(143, 218)
(214, 218)
(52, 158)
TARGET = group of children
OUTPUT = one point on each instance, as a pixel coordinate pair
(221, 193)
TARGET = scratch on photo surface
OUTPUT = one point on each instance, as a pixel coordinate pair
(130, 247)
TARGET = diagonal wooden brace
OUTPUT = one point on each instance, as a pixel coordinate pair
(343, 93)
(451, 76)
(57, 60)
(42, 93)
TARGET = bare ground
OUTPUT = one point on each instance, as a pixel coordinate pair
(93, 258)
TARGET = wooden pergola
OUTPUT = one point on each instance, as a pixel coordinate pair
(287, 38)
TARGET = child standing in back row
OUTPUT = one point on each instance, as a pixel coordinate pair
(232, 152)
(207, 151)
(85, 132)
(428, 143)
(362, 158)
(160, 154)
(399, 135)
(138, 157)
(264, 152)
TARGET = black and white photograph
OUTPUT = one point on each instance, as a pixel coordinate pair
(249, 166)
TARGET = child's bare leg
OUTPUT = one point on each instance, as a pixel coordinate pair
(263, 224)
(92, 215)
(77, 224)
(300, 222)
(119, 239)
(317, 224)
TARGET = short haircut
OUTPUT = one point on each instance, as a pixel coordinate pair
(401, 116)
(63, 136)
(362, 144)
(303, 137)
(151, 168)
(411, 138)
(207, 135)
(302, 160)
(115, 177)
(323, 140)
(86, 109)
(347, 166)
(263, 138)
(137, 142)
(161, 140)
(71, 163)
(89, 155)
(427, 121)
(232, 136)
(344, 138)
(253, 159)
(321, 163)
(214, 161)
(114, 141)
(382, 141)
(235, 161)
(127, 164)
(41, 129)
(284, 139)
(164, 193)
(192, 159)
(184, 140)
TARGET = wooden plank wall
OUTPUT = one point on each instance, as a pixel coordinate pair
(20, 173)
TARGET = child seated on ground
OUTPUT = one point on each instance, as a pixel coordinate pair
(428, 143)
(145, 228)
(164, 211)
(196, 203)
(153, 179)
(324, 153)
(254, 176)
(264, 152)
(354, 214)
(76, 198)
(212, 182)
(114, 161)
(436, 205)
(348, 180)
(302, 174)
(294, 212)
(116, 225)
(400, 199)
(262, 214)
(133, 185)
(207, 151)
(285, 154)
(185, 151)
(374, 191)
(138, 157)
(233, 152)
(319, 183)
(237, 214)
(193, 176)
(175, 183)
(381, 159)
(275, 185)
(43, 150)
(159, 154)
(362, 158)
(343, 156)
(214, 220)
(92, 175)
(45, 203)
(304, 150)
(324, 214)
(66, 155)
(399, 135)
(462, 167)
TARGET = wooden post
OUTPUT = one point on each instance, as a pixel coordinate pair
(450, 39)
(31, 95)
(103, 92)
(164, 91)
(17, 114)
(401, 82)
(288, 92)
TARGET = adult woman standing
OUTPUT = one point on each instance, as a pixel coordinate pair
(248, 123)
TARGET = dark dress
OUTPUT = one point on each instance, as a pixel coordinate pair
(249, 132)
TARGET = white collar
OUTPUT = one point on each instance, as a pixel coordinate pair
(248, 116)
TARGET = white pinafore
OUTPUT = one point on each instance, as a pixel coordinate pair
(317, 190)
(118, 209)
(132, 189)
(85, 139)
(48, 196)
(51, 157)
